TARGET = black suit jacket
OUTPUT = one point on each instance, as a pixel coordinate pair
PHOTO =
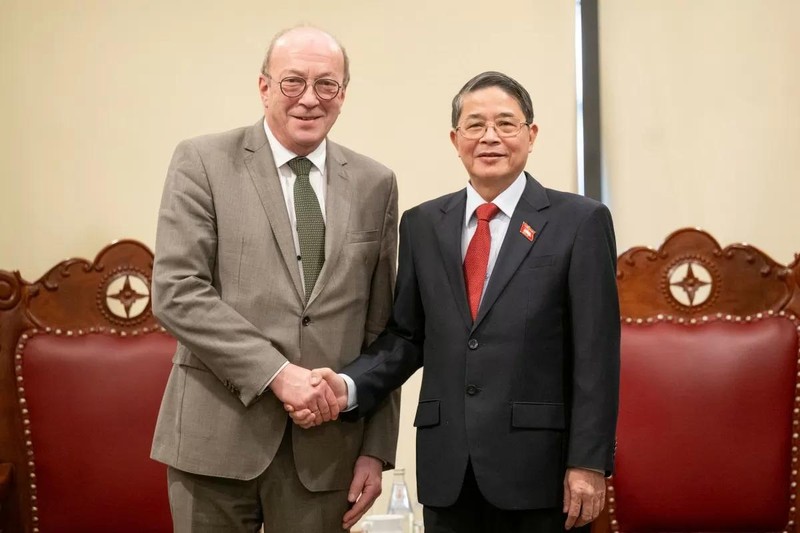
(531, 386)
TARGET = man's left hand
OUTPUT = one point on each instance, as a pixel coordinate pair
(584, 496)
(364, 489)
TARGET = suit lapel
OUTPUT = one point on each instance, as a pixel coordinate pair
(449, 236)
(265, 178)
(337, 213)
(530, 210)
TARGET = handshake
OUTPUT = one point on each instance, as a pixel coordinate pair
(311, 397)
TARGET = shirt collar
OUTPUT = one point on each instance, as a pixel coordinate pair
(283, 155)
(506, 200)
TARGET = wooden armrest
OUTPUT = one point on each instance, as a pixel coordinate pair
(6, 475)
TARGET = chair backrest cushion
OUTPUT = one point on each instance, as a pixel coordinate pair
(92, 403)
(706, 425)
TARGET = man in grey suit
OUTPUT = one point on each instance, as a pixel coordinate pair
(506, 294)
(275, 253)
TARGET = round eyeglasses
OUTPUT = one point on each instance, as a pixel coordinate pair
(324, 88)
(505, 127)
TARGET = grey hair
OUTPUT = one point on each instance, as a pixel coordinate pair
(505, 83)
(265, 64)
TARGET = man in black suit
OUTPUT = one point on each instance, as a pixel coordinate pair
(506, 294)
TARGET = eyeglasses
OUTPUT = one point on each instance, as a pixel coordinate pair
(504, 127)
(324, 88)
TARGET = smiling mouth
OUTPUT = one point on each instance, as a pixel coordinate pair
(306, 119)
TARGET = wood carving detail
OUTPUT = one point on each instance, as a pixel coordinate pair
(113, 290)
(10, 289)
(64, 270)
(691, 274)
(691, 283)
(124, 296)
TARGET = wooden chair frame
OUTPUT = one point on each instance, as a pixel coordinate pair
(76, 297)
(690, 279)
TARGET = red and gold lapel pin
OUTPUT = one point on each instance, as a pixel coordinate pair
(527, 231)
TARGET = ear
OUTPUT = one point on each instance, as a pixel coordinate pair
(454, 138)
(534, 130)
(263, 88)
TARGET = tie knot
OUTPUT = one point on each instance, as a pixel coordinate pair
(301, 166)
(487, 211)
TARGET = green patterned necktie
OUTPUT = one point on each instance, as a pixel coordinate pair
(310, 224)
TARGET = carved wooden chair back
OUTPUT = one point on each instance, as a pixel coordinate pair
(83, 365)
(707, 438)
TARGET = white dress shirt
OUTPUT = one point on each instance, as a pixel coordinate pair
(498, 226)
(282, 155)
(316, 177)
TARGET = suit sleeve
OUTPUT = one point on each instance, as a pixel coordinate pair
(381, 427)
(398, 352)
(184, 298)
(594, 308)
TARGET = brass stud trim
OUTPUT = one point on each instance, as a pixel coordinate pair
(23, 402)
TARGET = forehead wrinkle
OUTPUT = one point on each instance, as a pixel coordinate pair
(301, 73)
(501, 114)
(490, 97)
(301, 62)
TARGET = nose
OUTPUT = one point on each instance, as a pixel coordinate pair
(490, 135)
(309, 97)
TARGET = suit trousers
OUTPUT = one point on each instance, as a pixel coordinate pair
(473, 514)
(276, 498)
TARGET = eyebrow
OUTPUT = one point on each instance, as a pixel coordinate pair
(301, 74)
(504, 114)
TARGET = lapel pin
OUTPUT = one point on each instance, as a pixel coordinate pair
(527, 231)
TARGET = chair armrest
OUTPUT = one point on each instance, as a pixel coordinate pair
(6, 476)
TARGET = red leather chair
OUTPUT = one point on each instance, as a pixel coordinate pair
(83, 365)
(707, 438)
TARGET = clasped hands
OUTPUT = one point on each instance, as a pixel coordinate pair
(311, 397)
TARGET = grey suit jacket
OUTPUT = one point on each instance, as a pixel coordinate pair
(226, 284)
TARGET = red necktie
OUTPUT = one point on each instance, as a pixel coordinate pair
(477, 258)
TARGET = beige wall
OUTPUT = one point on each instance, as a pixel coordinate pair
(701, 119)
(700, 106)
(96, 94)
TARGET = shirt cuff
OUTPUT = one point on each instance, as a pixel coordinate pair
(351, 392)
(270, 380)
(589, 469)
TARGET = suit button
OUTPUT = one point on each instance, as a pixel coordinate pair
(472, 390)
(473, 344)
(306, 320)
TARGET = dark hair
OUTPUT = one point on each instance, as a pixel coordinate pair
(507, 84)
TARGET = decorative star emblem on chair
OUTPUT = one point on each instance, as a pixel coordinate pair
(127, 296)
(690, 283)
